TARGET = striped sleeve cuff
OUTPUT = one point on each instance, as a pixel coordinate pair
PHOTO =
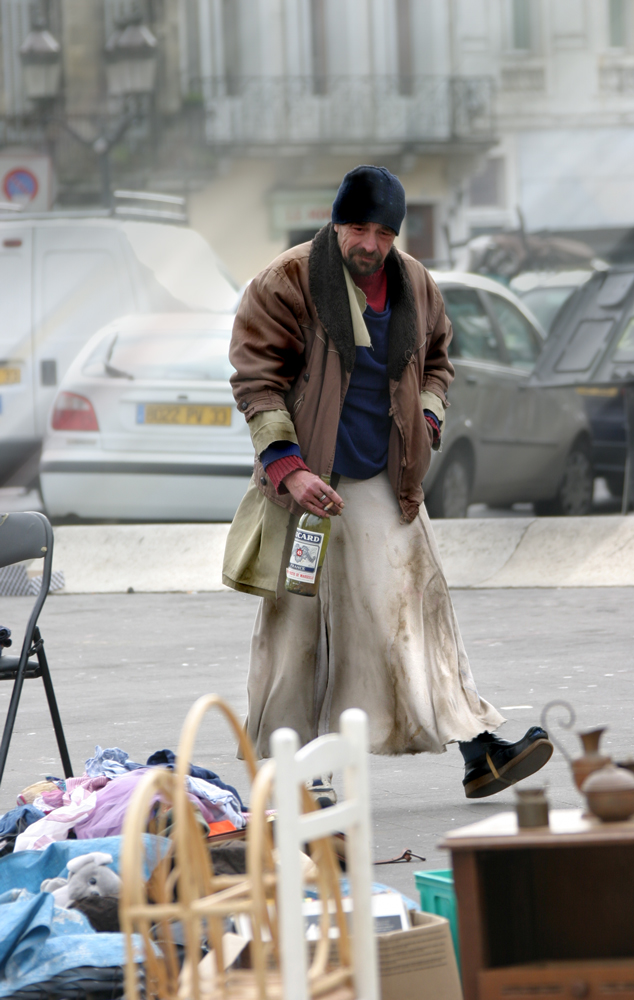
(279, 449)
(277, 470)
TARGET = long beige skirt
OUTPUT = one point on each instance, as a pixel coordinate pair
(381, 635)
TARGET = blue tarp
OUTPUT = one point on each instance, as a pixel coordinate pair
(28, 869)
(39, 940)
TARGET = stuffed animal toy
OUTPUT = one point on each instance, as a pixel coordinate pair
(88, 875)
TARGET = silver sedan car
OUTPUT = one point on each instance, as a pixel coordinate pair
(507, 439)
(145, 426)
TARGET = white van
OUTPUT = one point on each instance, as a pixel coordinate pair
(61, 279)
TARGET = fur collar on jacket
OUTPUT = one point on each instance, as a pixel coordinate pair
(328, 291)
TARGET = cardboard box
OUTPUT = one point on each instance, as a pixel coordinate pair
(419, 964)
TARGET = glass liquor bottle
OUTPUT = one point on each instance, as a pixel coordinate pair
(303, 573)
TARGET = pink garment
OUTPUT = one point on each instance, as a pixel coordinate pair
(56, 825)
(106, 819)
(207, 812)
(56, 798)
(93, 807)
(51, 800)
(92, 784)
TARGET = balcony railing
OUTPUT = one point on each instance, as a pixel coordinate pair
(269, 111)
(617, 77)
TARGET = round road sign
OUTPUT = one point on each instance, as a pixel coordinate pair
(20, 185)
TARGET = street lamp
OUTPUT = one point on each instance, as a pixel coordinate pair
(131, 57)
(41, 58)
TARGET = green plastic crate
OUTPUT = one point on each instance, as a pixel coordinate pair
(437, 896)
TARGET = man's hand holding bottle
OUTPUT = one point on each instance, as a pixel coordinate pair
(313, 494)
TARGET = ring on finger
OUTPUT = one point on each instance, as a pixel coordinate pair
(322, 498)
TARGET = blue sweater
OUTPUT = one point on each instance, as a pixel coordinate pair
(364, 427)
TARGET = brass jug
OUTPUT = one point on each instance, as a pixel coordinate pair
(592, 759)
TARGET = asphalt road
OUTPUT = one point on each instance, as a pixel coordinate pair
(127, 668)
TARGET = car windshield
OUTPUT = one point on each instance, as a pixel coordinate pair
(585, 345)
(520, 338)
(545, 303)
(185, 355)
(624, 347)
(474, 336)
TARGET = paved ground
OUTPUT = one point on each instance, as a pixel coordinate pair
(128, 667)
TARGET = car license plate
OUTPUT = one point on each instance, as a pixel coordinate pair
(609, 392)
(184, 414)
(10, 376)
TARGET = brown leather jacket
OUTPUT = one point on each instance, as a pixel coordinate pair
(293, 350)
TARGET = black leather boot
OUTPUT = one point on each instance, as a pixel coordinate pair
(502, 763)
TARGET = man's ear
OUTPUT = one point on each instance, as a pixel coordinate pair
(336, 227)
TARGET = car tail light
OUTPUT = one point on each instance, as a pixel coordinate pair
(73, 413)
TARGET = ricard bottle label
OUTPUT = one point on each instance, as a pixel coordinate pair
(304, 561)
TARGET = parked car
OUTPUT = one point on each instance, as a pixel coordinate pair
(546, 292)
(144, 426)
(62, 278)
(507, 439)
(591, 348)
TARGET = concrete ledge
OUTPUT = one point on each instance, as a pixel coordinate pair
(496, 552)
(538, 552)
(150, 558)
(475, 550)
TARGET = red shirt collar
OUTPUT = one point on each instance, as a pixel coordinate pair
(374, 286)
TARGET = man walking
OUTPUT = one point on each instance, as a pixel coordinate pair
(340, 351)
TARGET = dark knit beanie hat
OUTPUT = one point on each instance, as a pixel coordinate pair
(370, 194)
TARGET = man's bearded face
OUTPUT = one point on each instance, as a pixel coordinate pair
(364, 245)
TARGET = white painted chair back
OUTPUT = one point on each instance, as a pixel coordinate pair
(346, 751)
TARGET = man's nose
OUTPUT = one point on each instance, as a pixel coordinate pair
(369, 243)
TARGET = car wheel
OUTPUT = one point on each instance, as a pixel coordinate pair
(449, 496)
(574, 497)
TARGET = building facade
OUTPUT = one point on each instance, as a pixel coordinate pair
(297, 92)
(491, 112)
(260, 106)
(564, 72)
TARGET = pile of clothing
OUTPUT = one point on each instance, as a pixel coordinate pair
(59, 862)
(94, 805)
(59, 919)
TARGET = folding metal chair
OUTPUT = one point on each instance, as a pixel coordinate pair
(29, 536)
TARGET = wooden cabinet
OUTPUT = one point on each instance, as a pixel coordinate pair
(547, 912)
